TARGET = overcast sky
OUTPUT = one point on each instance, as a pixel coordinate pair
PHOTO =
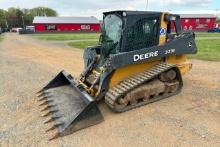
(96, 7)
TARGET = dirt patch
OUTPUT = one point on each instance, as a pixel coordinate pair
(26, 65)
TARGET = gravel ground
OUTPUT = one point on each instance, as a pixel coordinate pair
(191, 118)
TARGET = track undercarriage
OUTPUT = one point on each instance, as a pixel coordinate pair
(161, 81)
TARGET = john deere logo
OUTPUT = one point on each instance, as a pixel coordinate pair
(145, 56)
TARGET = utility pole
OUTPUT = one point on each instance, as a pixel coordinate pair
(6, 22)
(45, 5)
(163, 5)
(147, 5)
(23, 21)
(216, 12)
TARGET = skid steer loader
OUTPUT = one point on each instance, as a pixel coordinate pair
(140, 59)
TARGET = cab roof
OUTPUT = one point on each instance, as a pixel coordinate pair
(133, 12)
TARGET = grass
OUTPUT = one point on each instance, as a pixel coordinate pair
(205, 34)
(81, 40)
(82, 44)
(86, 36)
(208, 49)
(1, 37)
(67, 36)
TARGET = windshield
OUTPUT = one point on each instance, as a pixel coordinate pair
(111, 34)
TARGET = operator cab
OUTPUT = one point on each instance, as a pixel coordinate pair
(124, 31)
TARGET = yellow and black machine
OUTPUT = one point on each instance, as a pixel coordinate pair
(140, 59)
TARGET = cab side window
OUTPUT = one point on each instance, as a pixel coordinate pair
(143, 34)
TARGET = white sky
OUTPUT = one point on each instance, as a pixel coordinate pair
(96, 7)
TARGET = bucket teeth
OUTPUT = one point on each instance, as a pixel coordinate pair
(54, 137)
(43, 94)
(46, 102)
(53, 127)
(50, 112)
(47, 114)
(51, 120)
(43, 98)
(46, 108)
(40, 95)
(41, 91)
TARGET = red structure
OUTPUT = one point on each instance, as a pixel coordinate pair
(66, 24)
(197, 22)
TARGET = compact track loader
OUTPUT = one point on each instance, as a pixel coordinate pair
(140, 59)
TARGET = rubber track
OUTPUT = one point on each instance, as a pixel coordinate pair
(134, 81)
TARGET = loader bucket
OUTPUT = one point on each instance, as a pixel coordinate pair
(68, 105)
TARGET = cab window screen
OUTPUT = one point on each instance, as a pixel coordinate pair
(143, 34)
